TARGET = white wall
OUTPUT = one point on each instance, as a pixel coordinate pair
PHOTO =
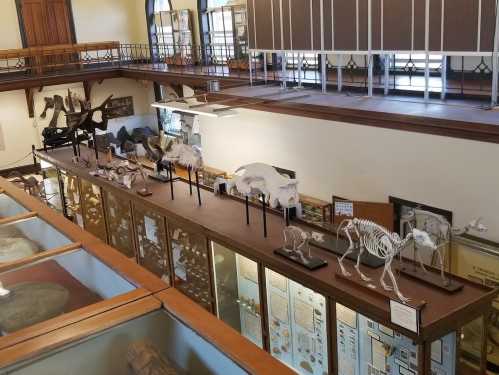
(10, 37)
(362, 162)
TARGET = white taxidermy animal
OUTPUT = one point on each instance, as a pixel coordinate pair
(12, 249)
(381, 243)
(441, 232)
(296, 241)
(185, 155)
(260, 178)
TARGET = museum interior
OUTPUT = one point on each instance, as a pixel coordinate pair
(249, 187)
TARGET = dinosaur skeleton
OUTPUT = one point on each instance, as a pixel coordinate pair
(381, 243)
(441, 232)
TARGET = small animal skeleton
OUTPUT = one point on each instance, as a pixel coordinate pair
(381, 243)
(296, 242)
(441, 232)
(260, 178)
(30, 184)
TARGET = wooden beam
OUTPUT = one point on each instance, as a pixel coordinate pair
(87, 88)
(30, 102)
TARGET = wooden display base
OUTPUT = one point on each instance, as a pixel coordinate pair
(375, 288)
(312, 263)
(160, 178)
(144, 193)
(431, 277)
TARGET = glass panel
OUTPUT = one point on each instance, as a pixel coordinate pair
(9, 207)
(119, 221)
(93, 211)
(471, 346)
(73, 198)
(51, 185)
(55, 286)
(151, 241)
(237, 292)
(191, 265)
(24, 238)
(297, 325)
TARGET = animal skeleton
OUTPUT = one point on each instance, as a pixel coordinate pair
(381, 243)
(441, 232)
(260, 178)
(185, 155)
(299, 241)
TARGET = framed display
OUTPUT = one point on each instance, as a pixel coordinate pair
(119, 224)
(72, 197)
(93, 209)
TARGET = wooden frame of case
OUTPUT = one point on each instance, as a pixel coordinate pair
(210, 221)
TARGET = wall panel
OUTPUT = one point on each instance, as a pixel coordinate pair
(301, 27)
(286, 23)
(418, 37)
(316, 24)
(363, 25)
(277, 24)
(251, 24)
(263, 23)
(345, 27)
(435, 25)
(460, 25)
(328, 24)
(376, 24)
(397, 24)
(487, 25)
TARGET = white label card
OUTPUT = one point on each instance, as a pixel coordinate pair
(343, 209)
(404, 316)
(151, 229)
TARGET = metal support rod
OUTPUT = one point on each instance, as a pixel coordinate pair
(300, 68)
(443, 93)
(286, 214)
(264, 210)
(265, 67)
(493, 101)
(250, 69)
(340, 73)
(387, 74)
(427, 77)
(370, 53)
(247, 211)
(197, 187)
(189, 170)
(95, 148)
(170, 172)
(427, 52)
(284, 71)
(324, 72)
(370, 75)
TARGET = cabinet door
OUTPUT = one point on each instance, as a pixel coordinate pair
(51, 186)
(72, 197)
(191, 265)
(93, 210)
(237, 292)
(152, 248)
(119, 223)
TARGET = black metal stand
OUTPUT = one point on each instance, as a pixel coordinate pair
(95, 147)
(190, 179)
(197, 187)
(247, 211)
(286, 214)
(311, 263)
(264, 209)
(170, 172)
(158, 176)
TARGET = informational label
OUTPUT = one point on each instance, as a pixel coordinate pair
(404, 316)
(151, 229)
(343, 209)
(346, 315)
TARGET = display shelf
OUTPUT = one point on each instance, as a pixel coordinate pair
(191, 264)
(151, 242)
(93, 210)
(237, 292)
(119, 224)
(222, 219)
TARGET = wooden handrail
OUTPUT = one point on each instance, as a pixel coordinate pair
(57, 49)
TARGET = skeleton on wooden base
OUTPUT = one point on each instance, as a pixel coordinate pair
(381, 243)
(296, 242)
(441, 232)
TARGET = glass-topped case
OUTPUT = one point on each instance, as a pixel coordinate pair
(93, 210)
(10, 207)
(51, 186)
(72, 196)
(136, 345)
(191, 264)
(152, 247)
(119, 222)
(55, 286)
(367, 347)
(237, 292)
(24, 238)
(297, 325)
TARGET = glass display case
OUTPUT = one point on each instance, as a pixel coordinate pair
(51, 186)
(297, 325)
(119, 223)
(55, 286)
(27, 237)
(191, 265)
(237, 292)
(72, 196)
(93, 210)
(113, 350)
(366, 347)
(152, 247)
(10, 207)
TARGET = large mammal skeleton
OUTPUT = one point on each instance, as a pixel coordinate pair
(381, 243)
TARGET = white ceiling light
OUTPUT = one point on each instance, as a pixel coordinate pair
(202, 111)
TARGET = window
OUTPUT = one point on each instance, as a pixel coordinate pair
(217, 3)
(161, 6)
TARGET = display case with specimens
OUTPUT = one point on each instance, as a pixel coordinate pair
(152, 247)
(72, 197)
(51, 186)
(93, 210)
(237, 292)
(119, 223)
(191, 264)
(297, 318)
